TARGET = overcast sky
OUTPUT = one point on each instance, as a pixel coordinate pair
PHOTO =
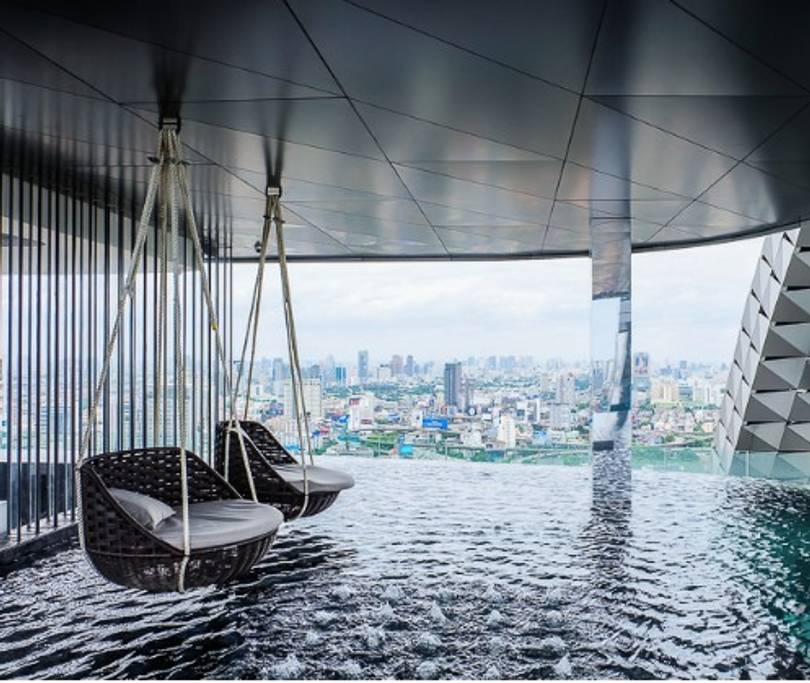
(687, 304)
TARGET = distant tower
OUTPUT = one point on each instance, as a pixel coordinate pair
(764, 427)
(452, 384)
(641, 370)
(362, 366)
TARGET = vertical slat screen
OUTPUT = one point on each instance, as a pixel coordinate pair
(65, 245)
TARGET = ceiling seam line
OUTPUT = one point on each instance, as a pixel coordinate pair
(462, 131)
(462, 48)
(270, 137)
(519, 221)
(304, 205)
(768, 137)
(474, 182)
(162, 46)
(581, 96)
(740, 46)
(374, 196)
(360, 118)
(236, 100)
(318, 228)
(683, 138)
(59, 66)
(59, 91)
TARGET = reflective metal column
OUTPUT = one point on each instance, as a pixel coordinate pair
(610, 334)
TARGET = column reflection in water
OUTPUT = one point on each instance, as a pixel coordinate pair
(611, 352)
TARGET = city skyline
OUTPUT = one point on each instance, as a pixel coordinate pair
(538, 308)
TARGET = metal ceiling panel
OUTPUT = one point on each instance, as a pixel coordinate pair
(147, 73)
(80, 130)
(641, 231)
(20, 63)
(323, 122)
(435, 188)
(561, 240)
(774, 31)
(441, 83)
(462, 242)
(580, 183)
(610, 142)
(424, 129)
(730, 125)
(253, 153)
(442, 214)
(793, 172)
(651, 47)
(397, 210)
(550, 40)
(258, 36)
(537, 178)
(703, 219)
(384, 230)
(763, 197)
(652, 211)
(407, 139)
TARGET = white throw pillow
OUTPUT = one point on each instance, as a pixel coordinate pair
(146, 510)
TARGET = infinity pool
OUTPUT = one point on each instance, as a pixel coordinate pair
(439, 569)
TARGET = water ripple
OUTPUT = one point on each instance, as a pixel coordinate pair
(446, 569)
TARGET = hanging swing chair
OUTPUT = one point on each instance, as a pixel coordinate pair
(159, 518)
(277, 475)
(247, 454)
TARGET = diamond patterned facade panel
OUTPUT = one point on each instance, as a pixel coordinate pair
(764, 426)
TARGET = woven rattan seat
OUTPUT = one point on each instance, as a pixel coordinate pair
(271, 465)
(129, 554)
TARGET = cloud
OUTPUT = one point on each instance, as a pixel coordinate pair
(686, 304)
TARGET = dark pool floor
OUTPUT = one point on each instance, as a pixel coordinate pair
(435, 569)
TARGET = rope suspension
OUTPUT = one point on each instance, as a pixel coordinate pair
(167, 178)
(272, 217)
(297, 385)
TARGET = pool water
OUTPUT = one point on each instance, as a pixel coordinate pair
(440, 569)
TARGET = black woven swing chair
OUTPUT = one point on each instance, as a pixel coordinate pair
(151, 518)
(278, 479)
(277, 476)
(228, 534)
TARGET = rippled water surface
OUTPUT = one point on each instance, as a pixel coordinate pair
(452, 569)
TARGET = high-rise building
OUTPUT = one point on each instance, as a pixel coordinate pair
(397, 365)
(279, 370)
(452, 384)
(560, 416)
(410, 369)
(341, 375)
(361, 412)
(468, 394)
(362, 366)
(664, 391)
(313, 399)
(641, 370)
(507, 432)
(566, 389)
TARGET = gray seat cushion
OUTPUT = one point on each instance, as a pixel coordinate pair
(220, 522)
(148, 511)
(321, 479)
